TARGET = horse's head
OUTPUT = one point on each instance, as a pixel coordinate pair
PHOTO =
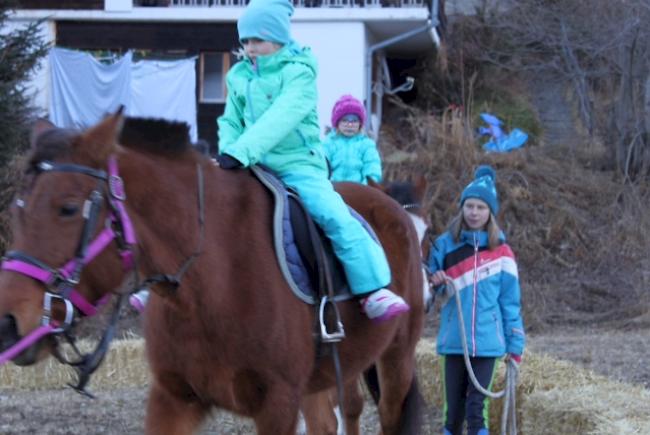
(66, 213)
(409, 195)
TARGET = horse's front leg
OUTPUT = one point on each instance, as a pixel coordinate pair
(352, 407)
(318, 411)
(173, 413)
(278, 414)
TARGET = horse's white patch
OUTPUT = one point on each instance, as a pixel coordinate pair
(421, 229)
(420, 226)
(20, 203)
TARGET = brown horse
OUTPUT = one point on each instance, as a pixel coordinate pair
(231, 334)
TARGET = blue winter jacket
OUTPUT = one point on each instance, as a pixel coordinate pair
(352, 158)
(488, 283)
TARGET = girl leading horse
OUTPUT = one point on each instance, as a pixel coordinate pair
(231, 334)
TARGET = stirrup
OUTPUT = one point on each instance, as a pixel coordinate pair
(326, 336)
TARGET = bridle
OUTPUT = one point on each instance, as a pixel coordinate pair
(409, 206)
(60, 283)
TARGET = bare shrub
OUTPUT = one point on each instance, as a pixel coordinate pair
(580, 235)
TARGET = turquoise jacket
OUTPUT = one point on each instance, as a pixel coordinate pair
(488, 283)
(352, 158)
(270, 115)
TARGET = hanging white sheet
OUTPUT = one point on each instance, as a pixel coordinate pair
(84, 89)
(165, 89)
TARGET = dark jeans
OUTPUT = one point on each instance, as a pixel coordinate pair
(462, 400)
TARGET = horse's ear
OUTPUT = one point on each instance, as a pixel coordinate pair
(41, 125)
(420, 187)
(100, 141)
(373, 183)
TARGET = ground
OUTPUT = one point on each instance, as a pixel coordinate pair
(618, 354)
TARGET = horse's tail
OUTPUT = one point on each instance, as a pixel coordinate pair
(410, 422)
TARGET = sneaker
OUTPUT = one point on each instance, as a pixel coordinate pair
(383, 305)
(138, 300)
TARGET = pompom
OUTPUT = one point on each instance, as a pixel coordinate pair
(485, 171)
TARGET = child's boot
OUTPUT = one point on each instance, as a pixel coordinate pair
(383, 305)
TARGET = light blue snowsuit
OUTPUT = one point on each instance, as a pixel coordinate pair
(353, 158)
(270, 118)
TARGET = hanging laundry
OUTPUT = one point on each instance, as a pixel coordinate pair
(84, 89)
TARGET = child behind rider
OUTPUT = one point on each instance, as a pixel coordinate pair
(473, 254)
(353, 156)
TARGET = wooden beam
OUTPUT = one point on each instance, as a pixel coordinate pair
(193, 37)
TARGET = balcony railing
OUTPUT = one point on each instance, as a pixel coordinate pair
(297, 3)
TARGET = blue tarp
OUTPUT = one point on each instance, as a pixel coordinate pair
(500, 142)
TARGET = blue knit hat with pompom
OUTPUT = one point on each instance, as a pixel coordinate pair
(483, 187)
(268, 20)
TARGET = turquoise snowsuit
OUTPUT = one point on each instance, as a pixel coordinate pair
(352, 158)
(270, 118)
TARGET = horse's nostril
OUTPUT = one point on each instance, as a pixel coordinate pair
(8, 331)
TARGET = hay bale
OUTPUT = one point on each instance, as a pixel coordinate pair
(553, 396)
(124, 366)
(599, 408)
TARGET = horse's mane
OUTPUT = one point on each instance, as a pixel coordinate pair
(157, 136)
(402, 191)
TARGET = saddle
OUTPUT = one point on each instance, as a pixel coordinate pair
(305, 254)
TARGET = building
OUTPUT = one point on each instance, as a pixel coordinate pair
(351, 39)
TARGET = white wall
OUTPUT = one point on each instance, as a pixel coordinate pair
(340, 48)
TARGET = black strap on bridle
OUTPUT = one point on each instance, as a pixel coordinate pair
(89, 363)
(87, 232)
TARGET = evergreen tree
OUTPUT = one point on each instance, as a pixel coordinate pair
(20, 51)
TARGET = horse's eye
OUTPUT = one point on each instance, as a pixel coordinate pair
(68, 210)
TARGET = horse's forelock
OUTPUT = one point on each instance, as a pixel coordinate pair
(52, 144)
(402, 192)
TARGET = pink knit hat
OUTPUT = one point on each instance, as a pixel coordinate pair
(347, 105)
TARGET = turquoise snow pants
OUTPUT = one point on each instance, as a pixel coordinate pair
(363, 259)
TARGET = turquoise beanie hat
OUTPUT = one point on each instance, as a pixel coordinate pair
(267, 20)
(483, 187)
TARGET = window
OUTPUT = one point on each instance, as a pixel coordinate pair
(214, 67)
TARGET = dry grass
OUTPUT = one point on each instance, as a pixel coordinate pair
(553, 396)
(580, 234)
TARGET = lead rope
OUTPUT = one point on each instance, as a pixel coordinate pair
(509, 412)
